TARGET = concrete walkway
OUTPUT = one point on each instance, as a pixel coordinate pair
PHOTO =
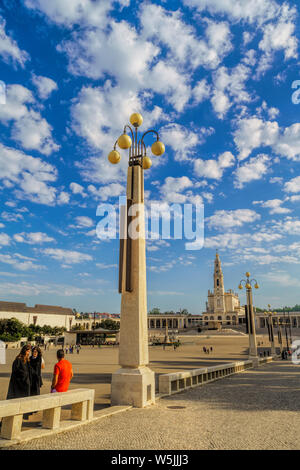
(257, 409)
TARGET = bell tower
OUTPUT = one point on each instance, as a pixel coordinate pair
(219, 300)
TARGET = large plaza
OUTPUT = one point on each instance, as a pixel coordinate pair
(93, 367)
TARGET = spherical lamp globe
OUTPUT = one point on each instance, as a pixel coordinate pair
(136, 119)
(124, 141)
(114, 157)
(147, 163)
(158, 148)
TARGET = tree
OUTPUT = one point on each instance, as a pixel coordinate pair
(155, 311)
(110, 324)
(13, 329)
(183, 311)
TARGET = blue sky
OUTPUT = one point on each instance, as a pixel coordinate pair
(215, 78)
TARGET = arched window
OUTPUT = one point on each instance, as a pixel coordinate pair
(218, 282)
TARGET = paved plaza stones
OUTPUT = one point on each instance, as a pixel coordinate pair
(257, 409)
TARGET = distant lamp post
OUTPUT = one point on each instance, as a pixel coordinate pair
(285, 327)
(250, 322)
(134, 383)
(280, 334)
(269, 319)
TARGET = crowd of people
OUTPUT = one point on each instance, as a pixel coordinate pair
(207, 350)
(70, 348)
(26, 376)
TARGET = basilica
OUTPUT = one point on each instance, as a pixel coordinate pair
(222, 306)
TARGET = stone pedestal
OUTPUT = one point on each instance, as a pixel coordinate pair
(134, 383)
(134, 387)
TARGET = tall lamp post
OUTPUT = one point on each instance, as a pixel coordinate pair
(250, 314)
(286, 333)
(134, 383)
(269, 318)
(280, 334)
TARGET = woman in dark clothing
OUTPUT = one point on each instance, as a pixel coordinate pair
(36, 364)
(20, 380)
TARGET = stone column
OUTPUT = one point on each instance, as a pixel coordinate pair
(134, 383)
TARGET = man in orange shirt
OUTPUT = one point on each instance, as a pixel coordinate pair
(62, 374)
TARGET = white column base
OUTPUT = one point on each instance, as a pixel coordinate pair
(134, 387)
(255, 360)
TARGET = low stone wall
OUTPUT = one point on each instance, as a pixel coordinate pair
(178, 381)
(12, 411)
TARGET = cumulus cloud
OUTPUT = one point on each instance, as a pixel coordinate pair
(292, 186)
(32, 238)
(28, 127)
(30, 178)
(44, 85)
(214, 169)
(176, 136)
(274, 205)
(67, 256)
(252, 133)
(252, 170)
(70, 12)
(9, 49)
(20, 262)
(236, 218)
(77, 189)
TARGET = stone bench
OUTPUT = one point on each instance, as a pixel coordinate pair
(178, 381)
(11, 411)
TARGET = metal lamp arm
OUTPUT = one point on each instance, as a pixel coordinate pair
(148, 132)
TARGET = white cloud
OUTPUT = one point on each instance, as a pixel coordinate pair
(9, 50)
(253, 170)
(4, 238)
(28, 126)
(20, 262)
(169, 29)
(227, 241)
(275, 206)
(173, 187)
(34, 132)
(32, 238)
(229, 88)
(236, 218)
(77, 189)
(63, 198)
(120, 53)
(70, 12)
(44, 85)
(23, 288)
(176, 136)
(105, 192)
(251, 11)
(67, 256)
(83, 221)
(30, 175)
(252, 133)
(89, 112)
(214, 168)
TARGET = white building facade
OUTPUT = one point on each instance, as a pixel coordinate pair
(38, 315)
(221, 306)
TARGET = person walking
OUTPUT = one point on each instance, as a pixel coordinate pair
(62, 373)
(37, 363)
(20, 380)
